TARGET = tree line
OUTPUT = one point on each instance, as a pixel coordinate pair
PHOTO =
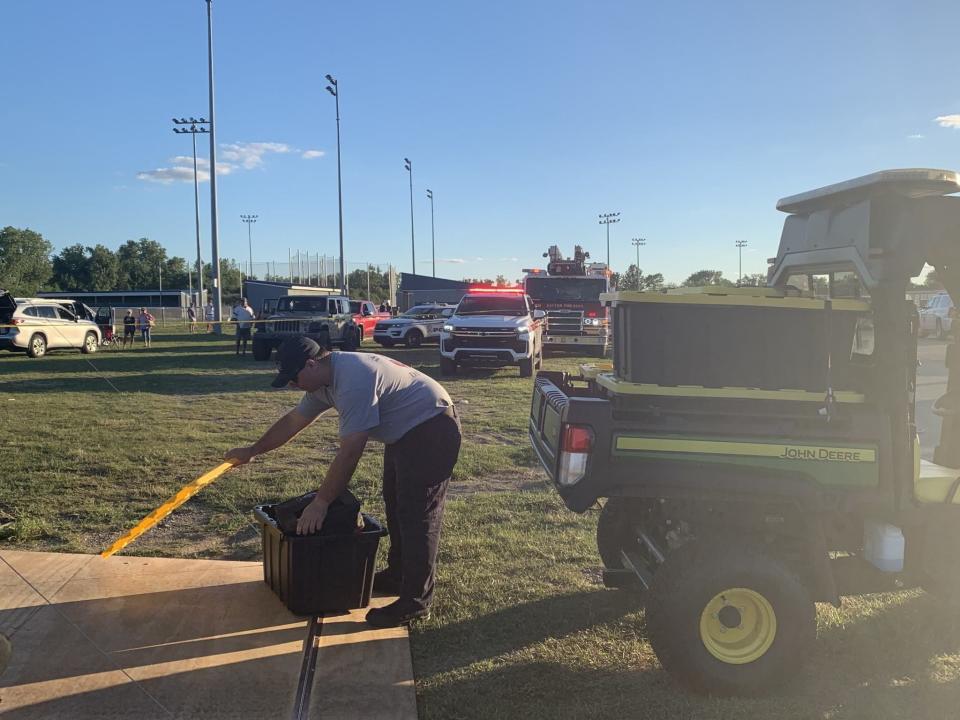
(28, 265)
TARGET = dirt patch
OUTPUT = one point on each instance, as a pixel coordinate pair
(494, 439)
(593, 574)
(518, 480)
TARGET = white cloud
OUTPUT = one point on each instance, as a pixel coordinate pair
(950, 121)
(311, 154)
(916, 136)
(510, 259)
(167, 175)
(184, 173)
(250, 155)
(449, 261)
(233, 157)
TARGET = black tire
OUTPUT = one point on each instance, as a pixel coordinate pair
(613, 533)
(37, 347)
(526, 367)
(707, 572)
(414, 338)
(351, 340)
(386, 342)
(90, 343)
(261, 350)
(447, 367)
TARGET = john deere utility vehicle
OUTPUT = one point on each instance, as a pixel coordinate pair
(753, 443)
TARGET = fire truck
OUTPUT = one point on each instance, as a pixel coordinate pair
(569, 293)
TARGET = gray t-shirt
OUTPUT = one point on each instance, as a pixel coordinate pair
(377, 394)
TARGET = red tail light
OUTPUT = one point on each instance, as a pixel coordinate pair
(591, 313)
(577, 439)
(19, 321)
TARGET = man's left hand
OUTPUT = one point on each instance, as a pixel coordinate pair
(311, 519)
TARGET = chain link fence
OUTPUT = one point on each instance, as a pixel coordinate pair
(369, 280)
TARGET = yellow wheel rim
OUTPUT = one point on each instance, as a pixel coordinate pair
(738, 626)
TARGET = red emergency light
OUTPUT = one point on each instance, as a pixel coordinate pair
(496, 290)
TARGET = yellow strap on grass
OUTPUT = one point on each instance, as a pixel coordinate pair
(184, 494)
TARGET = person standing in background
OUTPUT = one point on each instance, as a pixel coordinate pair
(146, 321)
(192, 318)
(209, 315)
(129, 328)
(243, 315)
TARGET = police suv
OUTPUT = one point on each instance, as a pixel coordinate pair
(419, 324)
(493, 327)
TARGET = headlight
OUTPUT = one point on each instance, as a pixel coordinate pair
(523, 331)
(448, 328)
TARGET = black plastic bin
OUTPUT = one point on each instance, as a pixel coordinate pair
(314, 574)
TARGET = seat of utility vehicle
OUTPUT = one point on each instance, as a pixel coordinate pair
(937, 484)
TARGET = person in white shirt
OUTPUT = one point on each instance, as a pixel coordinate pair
(243, 315)
(209, 315)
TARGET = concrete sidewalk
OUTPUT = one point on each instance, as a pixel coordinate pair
(144, 638)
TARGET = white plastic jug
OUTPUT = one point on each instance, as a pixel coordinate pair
(883, 546)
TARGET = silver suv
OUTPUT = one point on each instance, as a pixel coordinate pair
(416, 326)
(35, 325)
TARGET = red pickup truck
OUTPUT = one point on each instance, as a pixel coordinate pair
(366, 316)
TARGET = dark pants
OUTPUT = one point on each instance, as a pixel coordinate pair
(244, 335)
(416, 470)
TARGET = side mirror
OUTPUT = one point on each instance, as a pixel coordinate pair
(863, 338)
(539, 314)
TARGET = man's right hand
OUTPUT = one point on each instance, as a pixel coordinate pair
(240, 455)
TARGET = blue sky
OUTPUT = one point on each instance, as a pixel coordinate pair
(527, 119)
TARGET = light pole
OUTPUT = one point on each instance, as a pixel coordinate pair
(214, 235)
(249, 220)
(638, 243)
(741, 244)
(413, 246)
(334, 90)
(433, 237)
(608, 219)
(196, 126)
(160, 273)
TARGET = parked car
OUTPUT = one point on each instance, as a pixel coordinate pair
(323, 318)
(937, 317)
(36, 325)
(366, 316)
(419, 324)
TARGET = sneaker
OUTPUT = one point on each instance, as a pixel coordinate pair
(396, 614)
(386, 582)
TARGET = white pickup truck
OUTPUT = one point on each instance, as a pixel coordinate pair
(493, 327)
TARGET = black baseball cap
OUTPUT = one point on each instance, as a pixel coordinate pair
(292, 355)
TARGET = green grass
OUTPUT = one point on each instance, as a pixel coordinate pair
(522, 626)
